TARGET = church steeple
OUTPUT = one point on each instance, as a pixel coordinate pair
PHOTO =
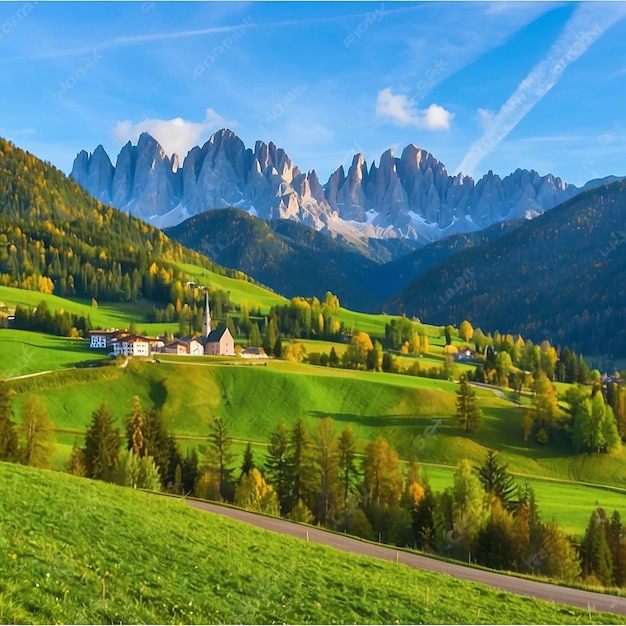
(206, 322)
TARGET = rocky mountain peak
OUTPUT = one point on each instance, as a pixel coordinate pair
(412, 196)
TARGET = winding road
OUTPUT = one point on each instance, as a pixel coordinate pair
(521, 586)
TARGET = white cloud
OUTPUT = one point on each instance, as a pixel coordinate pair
(404, 112)
(177, 135)
(588, 22)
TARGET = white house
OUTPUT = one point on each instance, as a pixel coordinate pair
(102, 339)
(132, 345)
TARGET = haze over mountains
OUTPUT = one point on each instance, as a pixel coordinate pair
(411, 197)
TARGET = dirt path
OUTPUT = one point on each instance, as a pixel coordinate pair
(542, 591)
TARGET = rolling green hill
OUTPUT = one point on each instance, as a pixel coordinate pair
(413, 414)
(560, 276)
(80, 551)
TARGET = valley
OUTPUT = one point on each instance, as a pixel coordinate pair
(388, 388)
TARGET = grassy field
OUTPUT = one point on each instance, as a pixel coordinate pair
(79, 551)
(413, 414)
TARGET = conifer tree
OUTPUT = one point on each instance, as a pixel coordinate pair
(219, 457)
(597, 557)
(496, 480)
(468, 412)
(248, 460)
(102, 445)
(278, 467)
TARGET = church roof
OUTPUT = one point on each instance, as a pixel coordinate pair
(215, 335)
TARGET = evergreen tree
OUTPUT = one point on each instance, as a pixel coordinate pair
(278, 467)
(496, 480)
(468, 413)
(38, 435)
(102, 445)
(617, 545)
(219, 457)
(8, 433)
(495, 545)
(248, 460)
(597, 557)
(190, 471)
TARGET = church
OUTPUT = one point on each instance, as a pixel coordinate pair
(218, 342)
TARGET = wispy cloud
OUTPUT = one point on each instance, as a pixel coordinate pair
(176, 136)
(587, 24)
(122, 41)
(403, 111)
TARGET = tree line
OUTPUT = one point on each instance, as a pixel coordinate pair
(484, 517)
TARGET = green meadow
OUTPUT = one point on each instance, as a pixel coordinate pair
(413, 414)
(79, 551)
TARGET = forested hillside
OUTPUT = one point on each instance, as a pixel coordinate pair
(54, 237)
(561, 276)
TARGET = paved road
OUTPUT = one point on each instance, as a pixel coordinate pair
(520, 586)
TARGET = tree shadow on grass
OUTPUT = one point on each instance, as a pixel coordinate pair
(375, 421)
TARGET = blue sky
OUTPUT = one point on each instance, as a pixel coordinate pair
(484, 85)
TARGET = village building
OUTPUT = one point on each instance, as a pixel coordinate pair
(218, 342)
(132, 345)
(184, 345)
(253, 353)
(102, 339)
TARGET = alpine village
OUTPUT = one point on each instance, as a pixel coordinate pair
(233, 393)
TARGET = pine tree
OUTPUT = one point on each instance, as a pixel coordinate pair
(219, 457)
(468, 412)
(597, 557)
(102, 445)
(248, 460)
(277, 465)
(496, 480)
(8, 434)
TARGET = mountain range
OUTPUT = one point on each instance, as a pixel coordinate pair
(412, 197)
